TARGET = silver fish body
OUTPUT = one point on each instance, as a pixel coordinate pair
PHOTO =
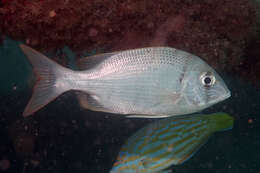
(148, 82)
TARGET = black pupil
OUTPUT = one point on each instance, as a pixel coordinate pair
(207, 80)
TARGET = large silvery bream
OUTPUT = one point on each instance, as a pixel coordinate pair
(148, 82)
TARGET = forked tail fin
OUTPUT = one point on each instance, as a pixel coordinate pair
(50, 80)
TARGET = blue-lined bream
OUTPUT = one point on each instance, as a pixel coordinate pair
(169, 141)
(149, 82)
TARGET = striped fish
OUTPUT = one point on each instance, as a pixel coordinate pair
(170, 141)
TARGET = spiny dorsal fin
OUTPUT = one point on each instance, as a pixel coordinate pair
(92, 61)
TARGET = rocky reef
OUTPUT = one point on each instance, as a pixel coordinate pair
(218, 30)
(66, 138)
(250, 68)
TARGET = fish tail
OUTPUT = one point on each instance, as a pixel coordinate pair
(50, 80)
(221, 121)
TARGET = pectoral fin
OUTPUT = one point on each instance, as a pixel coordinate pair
(173, 97)
(168, 94)
(88, 101)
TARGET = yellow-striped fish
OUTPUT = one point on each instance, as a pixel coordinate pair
(167, 142)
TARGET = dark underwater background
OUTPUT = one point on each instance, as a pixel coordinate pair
(63, 138)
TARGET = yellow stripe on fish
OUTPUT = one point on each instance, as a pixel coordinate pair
(167, 142)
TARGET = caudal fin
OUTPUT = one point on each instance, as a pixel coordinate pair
(50, 83)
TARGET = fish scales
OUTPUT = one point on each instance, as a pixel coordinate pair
(162, 134)
(182, 144)
(173, 125)
(137, 145)
(154, 154)
(160, 149)
(148, 82)
(167, 160)
(132, 93)
(178, 142)
(173, 129)
(134, 60)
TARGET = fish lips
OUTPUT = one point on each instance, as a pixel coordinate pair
(221, 97)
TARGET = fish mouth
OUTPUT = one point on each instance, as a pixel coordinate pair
(221, 98)
(226, 96)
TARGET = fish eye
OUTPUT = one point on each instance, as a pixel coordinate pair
(207, 79)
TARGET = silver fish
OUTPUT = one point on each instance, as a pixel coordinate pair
(148, 82)
(167, 142)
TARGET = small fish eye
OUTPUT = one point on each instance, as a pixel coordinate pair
(207, 79)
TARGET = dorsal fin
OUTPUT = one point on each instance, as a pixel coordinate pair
(92, 61)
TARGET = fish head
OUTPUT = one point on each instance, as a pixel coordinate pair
(126, 163)
(221, 121)
(203, 86)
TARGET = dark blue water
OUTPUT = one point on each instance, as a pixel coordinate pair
(63, 137)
